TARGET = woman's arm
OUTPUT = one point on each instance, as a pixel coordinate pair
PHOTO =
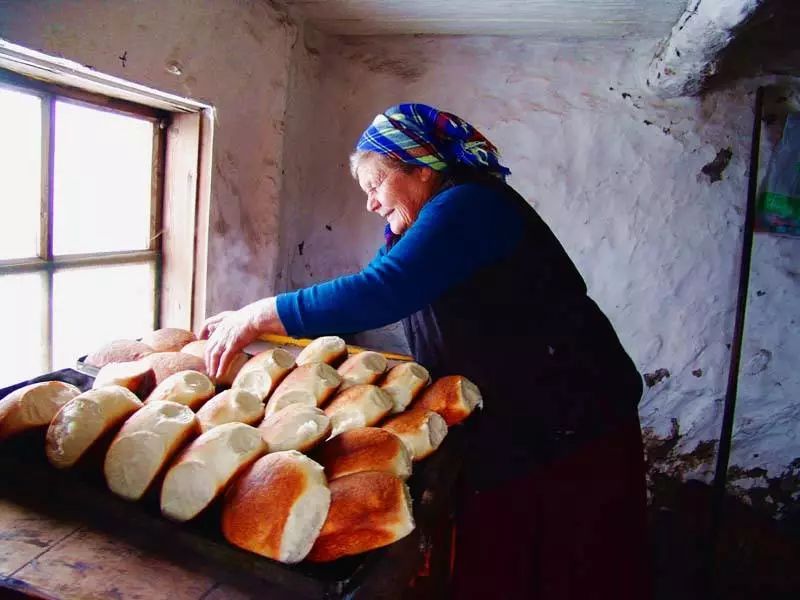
(460, 231)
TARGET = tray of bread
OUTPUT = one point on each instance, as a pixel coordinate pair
(308, 463)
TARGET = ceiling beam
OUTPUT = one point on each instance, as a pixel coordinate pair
(691, 54)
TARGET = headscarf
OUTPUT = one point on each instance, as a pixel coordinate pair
(419, 134)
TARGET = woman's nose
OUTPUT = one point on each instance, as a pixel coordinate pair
(372, 203)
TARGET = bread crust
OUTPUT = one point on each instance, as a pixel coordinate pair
(364, 449)
(454, 397)
(364, 367)
(33, 406)
(328, 349)
(118, 351)
(259, 504)
(168, 339)
(420, 429)
(368, 510)
(165, 364)
(85, 419)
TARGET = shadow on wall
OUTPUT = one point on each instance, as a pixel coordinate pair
(760, 538)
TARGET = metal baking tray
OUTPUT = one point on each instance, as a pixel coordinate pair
(82, 492)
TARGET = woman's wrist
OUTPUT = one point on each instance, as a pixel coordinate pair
(262, 317)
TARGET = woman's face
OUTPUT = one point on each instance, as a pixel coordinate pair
(395, 195)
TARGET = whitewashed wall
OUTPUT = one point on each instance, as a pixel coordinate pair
(232, 54)
(617, 175)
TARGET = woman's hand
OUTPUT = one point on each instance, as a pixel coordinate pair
(230, 331)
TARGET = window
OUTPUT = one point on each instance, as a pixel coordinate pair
(81, 204)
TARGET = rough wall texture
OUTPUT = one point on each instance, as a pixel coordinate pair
(232, 54)
(646, 195)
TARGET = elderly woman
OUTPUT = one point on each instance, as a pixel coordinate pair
(554, 500)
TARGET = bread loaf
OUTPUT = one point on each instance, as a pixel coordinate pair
(404, 382)
(84, 419)
(205, 468)
(296, 427)
(310, 384)
(145, 444)
(421, 430)
(165, 364)
(168, 339)
(368, 510)
(454, 397)
(231, 406)
(365, 449)
(33, 406)
(262, 373)
(277, 507)
(198, 348)
(364, 367)
(359, 406)
(118, 351)
(191, 388)
(136, 376)
(328, 349)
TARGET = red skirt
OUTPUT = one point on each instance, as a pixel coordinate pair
(574, 529)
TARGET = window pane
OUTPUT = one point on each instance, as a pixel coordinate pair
(22, 304)
(103, 168)
(94, 305)
(20, 173)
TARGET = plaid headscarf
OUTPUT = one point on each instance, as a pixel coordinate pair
(422, 135)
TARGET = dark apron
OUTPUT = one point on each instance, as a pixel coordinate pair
(551, 369)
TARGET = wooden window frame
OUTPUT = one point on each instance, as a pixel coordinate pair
(185, 147)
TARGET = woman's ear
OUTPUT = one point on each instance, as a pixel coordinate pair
(426, 174)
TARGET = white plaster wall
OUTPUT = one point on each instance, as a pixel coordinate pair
(618, 178)
(233, 54)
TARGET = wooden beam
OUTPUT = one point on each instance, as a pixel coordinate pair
(691, 54)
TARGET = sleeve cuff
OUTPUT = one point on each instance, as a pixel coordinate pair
(289, 313)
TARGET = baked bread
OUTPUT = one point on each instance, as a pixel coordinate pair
(364, 367)
(231, 406)
(262, 373)
(204, 469)
(136, 376)
(310, 384)
(168, 339)
(296, 427)
(403, 382)
(191, 388)
(165, 364)
(454, 397)
(84, 419)
(359, 406)
(118, 351)
(365, 449)
(145, 444)
(33, 406)
(198, 348)
(368, 510)
(277, 507)
(421, 430)
(327, 349)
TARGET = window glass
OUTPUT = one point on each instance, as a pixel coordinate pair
(95, 305)
(102, 180)
(23, 353)
(20, 173)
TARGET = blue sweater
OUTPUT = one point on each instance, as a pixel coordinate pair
(459, 231)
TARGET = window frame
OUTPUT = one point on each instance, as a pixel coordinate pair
(187, 173)
(45, 262)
